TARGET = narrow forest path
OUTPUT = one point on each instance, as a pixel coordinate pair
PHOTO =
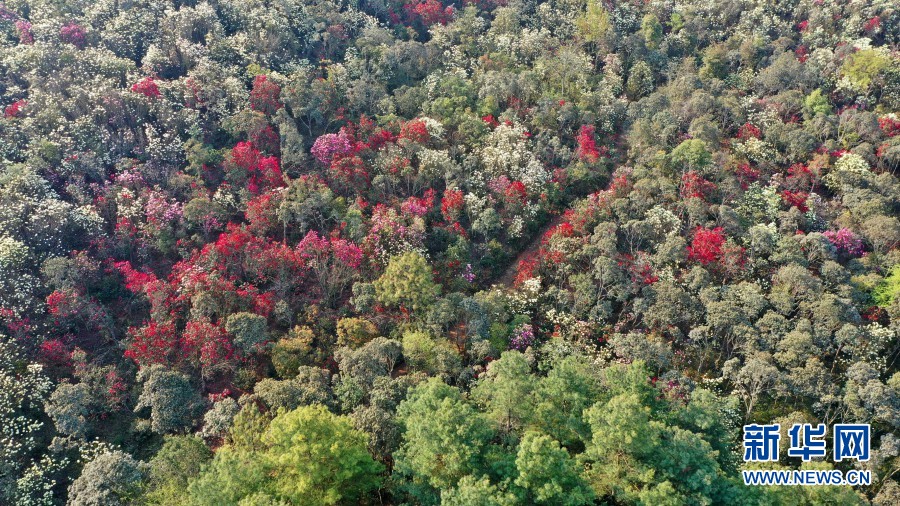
(509, 275)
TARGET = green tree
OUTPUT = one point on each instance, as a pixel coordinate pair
(355, 332)
(305, 456)
(407, 282)
(865, 67)
(816, 103)
(548, 474)
(691, 154)
(68, 406)
(506, 391)
(180, 460)
(642, 442)
(571, 386)
(249, 330)
(444, 439)
(652, 30)
(316, 457)
(471, 490)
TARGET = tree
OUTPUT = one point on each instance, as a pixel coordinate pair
(320, 458)
(864, 67)
(640, 443)
(355, 332)
(505, 391)
(180, 460)
(444, 439)
(471, 490)
(249, 330)
(425, 353)
(297, 348)
(172, 401)
(652, 30)
(407, 282)
(571, 386)
(691, 154)
(23, 389)
(68, 406)
(113, 478)
(306, 456)
(640, 80)
(548, 474)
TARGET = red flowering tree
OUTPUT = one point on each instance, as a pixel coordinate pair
(14, 110)
(349, 174)
(452, 205)
(747, 131)
(264, 97)
(334, 262)
(154, 343)
(415, 131)
(889, 125)
(587, 145)
(693, 185)
(416, 206)
(208, 346)
(246, 165)
(147, 87)
(706, 246)
(795, 199)
(429, 12)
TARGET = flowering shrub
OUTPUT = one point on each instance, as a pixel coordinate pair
(522, 338)
(23, 30)
(845, 241)
(415, 131)
(706, 246)
(890, 125)
(329, 146)
(429, 12)
(154, 343)
(693, 185)
(261, 173)
(55, 353)
(452, 204)
(349, 173)
(14, 109)
(74, 34)
(747, 131)
(265, 175)
(587, 146)
(796, 199)
(264, 97)
(147, 87)
(335, 262)
(872, 25)
(418, 206)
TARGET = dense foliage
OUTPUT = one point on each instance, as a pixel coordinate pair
(462, 252)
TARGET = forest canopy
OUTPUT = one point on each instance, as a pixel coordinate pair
(462, 252)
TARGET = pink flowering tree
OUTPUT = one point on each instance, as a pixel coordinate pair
(329, 146)
(74, 34)
(845, 242)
